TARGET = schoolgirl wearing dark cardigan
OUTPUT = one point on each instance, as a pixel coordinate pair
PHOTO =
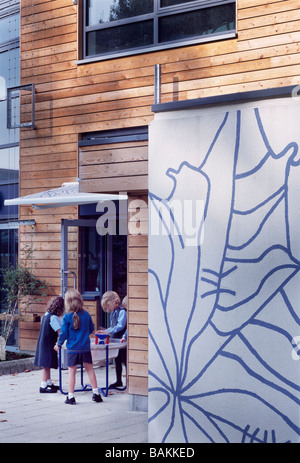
(45, 355)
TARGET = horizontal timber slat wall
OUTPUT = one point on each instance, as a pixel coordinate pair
(115, 167)
(123, 167)
(72, 99)
(137, 365)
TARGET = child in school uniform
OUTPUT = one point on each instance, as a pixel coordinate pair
(124, 304)
(111, 303)
(76, 328)
(45, 356)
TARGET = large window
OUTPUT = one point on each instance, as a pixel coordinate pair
(8, 256)
(9, 77)
(9, 141)
(127, 26)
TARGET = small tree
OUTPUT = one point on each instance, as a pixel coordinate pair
(20, 286)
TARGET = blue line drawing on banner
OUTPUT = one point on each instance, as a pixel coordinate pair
(218, 356)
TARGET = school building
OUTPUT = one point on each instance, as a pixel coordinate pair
(159, 157)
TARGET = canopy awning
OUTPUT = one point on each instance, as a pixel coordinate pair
(67, 195)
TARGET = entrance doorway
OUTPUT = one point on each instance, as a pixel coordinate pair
(102, 262)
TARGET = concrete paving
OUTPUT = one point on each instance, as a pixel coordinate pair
(26, 416)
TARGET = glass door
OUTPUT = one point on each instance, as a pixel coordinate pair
(65, 272)
(102, 262)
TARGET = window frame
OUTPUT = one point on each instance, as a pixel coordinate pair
(158, 13)
(106, 137)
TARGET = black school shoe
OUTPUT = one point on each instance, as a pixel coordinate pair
(70, 401)
(49, 389)
(97, 398)
(115, 385)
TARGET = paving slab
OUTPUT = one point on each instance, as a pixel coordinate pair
(26, 416)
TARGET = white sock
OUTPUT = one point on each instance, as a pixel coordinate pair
(49, 382)
(70, 395)
(43, 384)
(96, 391)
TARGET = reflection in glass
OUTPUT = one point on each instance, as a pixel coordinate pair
(119, 267)
(8, 256)
(94, 261)
(10, 73)
(9, 28)
(9, 67)
(6, 136)
(9, 157)
(124, 37)
(102, 11)
(3, 92)
(119, 25)
(164, 3)
(104, 265)
(196, 23)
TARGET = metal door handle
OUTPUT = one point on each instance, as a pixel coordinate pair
(70, 272)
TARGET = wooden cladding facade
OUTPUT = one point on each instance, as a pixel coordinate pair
(73, 98)
(137, 283)
(118, 167)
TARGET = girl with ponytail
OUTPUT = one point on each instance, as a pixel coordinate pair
(77, 325)
(74, 304)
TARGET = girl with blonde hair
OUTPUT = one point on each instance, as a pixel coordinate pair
(77, 325)
(111, 303)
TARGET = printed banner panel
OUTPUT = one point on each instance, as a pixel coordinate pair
(224, 280)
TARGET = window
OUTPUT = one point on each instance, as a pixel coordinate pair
(94, 251)
(8, 256)
(130, 26)
(115, 136)
(9, 141)
(9, 25)
(9, 77)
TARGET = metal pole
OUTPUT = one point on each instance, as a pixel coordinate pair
(64, 257)
(157, 84)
